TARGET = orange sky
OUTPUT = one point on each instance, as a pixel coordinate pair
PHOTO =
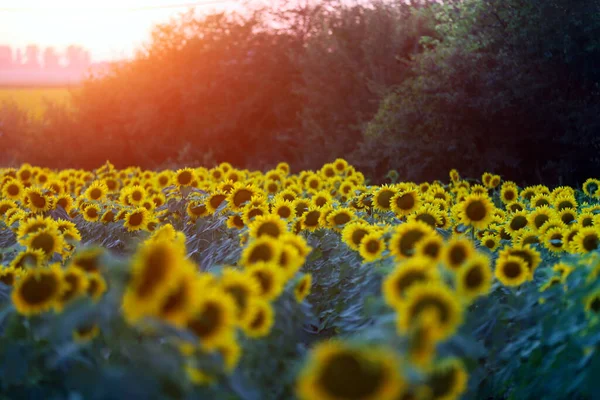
(110, 29)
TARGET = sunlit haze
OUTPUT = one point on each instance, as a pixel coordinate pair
(109, 29)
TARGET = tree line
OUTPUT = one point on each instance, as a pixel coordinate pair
(421, 87)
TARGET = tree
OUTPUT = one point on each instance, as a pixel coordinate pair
(511, 87)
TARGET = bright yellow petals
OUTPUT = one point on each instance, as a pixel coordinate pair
(154, 273)
(476, 211)
(511, 270)
(371, 247)
(406, 236)
(474, 278)
(136, 219)
(336, 370)
(416, 270)
(38, 290)
(302, 287)
(431, 296)
(261, 320)
(213, 317)
(267, 225)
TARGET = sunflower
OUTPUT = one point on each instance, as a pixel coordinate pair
(34, 224)
(36, 200)
(515, 206)
(495, 181)
(283, 208)
(13, 190)
(476, 211)
(38, 290)
(265, 249)
(28, 259)
(447, 380)
(474, 278)
(229, 350)
(511, 270)
(213, 318)
(527, 253)
(240, 195)
(516, 222)
(486, 178)
(525, 237)
(553, 239)
(491, 241)
(196, 209)
(136, 219)
(454, 175)
(154, 273)
(509, 192)
(353, 233)
(290, 260)
(382, 198)
(339, 217)
(92, 213)
(422, 341)
(76, 284)
(48, 239)
(591, 187)
(311, 219)
(429, 214)
(371, 247)
(261, 320)
(553, 223)
(215, 200)
(540, 199)
(405, 202)
(431, 246)
(86, 332)
(9, 275)
(568, 215)
(96, 191)
(235, 222)
(592, 303)
(431, 296)
(562, 269)
(6, 205)
(302, 287)
(565, 201)
(550, 283)
(298, 242)
(184, 177)
(586, 219)
(456, 252)
(267, 225)
(407, 274)
(568, 239)
(251, 212)
(96, 286)
(586, 240)
(242, 289)
(328, 171)
(300, 206)
(337, 370)
(406, 236)
(179, 302)
(321, 198)
(270, 277)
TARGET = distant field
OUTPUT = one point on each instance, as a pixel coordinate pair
(33, 99)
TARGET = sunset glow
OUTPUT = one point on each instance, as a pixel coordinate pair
(110, 29)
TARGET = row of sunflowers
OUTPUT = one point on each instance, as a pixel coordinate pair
(236, 284)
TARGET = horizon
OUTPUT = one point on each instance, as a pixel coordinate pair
(110, 32)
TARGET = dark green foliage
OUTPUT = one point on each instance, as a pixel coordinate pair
(511, 87)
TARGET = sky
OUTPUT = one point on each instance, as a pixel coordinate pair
(109, 29)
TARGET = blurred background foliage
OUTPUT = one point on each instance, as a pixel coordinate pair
(507, 86)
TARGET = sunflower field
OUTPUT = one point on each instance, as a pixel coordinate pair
(222, 283)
